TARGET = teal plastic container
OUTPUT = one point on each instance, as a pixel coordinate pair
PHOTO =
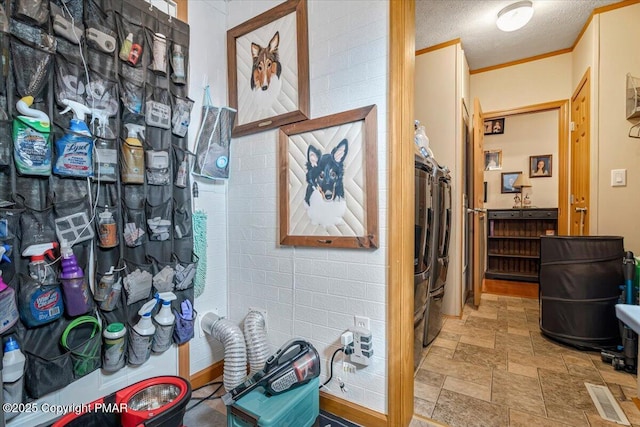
(295, 408)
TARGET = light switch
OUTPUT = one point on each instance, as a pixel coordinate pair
(618, 177)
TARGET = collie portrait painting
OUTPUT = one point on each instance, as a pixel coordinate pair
(265, 70)
(328, 179)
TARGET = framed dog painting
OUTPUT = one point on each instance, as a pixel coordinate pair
(328, 181)
(268, 74)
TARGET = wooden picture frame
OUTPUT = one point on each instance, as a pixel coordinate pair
(540, 166)
(268, 69)
(328, 181)
(493, 160)
(494, 126)
(506, 182)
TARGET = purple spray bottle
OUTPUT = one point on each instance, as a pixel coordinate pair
(75, 289)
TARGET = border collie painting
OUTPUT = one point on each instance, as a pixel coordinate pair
(266, 64)
(324, 198)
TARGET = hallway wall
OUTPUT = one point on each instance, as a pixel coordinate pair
(314, 292)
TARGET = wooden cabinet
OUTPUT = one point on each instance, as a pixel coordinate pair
(513, 242)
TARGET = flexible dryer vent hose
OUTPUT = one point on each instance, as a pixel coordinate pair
(256, 336)
(235, 352)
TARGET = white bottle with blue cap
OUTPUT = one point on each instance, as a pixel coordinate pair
(12, 372)
(141, 337)
(165, 319)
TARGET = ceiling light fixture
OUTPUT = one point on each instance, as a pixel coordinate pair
(515, 16)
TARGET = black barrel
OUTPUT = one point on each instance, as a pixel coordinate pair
(580, 279)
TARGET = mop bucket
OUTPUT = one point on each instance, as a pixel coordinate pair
(154, 402)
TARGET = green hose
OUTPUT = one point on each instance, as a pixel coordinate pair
(200, 249)
(89, 355)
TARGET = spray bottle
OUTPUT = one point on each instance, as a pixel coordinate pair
(13, 363)
(141, 336)
(75, 148)
(75, 290)
(133, 155)
(31, 144)
(164, 320)
(39, 296)
(421, 140)
(8, 309)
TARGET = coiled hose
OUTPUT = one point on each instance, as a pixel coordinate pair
(257, 346)
(235, 352)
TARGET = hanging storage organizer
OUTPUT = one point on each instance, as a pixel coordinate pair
(128, 63)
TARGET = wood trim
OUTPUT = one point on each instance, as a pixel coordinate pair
(522, 61)
(563, 148)
(207, 375)
(429, 421)
(563, 170)
(184, 361)
(583, 81)
(510, 288)
(535, 108)
(183, 10)
(351, 411)
(400, 205)
(598, 10)
(636, 401)
(438, 46)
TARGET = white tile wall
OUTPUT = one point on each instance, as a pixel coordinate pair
(207, 65)
(309, 292)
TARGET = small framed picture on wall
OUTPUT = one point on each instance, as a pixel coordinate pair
(493, 160)
(540, 166)
(494, 126)
(508, 180)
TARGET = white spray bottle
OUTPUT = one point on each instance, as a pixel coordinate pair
(165, 320)
(421, 140)
(141, 338)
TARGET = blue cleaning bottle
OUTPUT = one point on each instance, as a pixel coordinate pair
(75, 149)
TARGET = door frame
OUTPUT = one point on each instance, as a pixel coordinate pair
(400, 207)
(562, 107)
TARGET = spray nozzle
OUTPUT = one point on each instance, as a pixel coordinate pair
(4, 249)
(147, 308)
(39, 251)
(79, 110)
(165, 297)
(133, 130)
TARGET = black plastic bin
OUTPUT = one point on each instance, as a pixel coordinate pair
(580, 279)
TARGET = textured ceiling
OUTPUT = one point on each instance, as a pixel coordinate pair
(555, 25)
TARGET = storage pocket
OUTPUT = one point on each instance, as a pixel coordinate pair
(185, 316)
(163, 275)
(138, 347)
(102, 95)
(137, 281)
(132, 41)
(31, 68)
(157, 167)
(70, 81)
(105, 160)
(159, 221)
(157, 107)
(182, 221)
(179, 63)
(181, 116)
(68, 26)
(108, 226)
(185, 272)
(72, 221)
(83, 339)
(134, 227)
(100, 24)
(32, 11)
(48, 366)
(131, 95)
(37, 227)
(5, 144)
(132, 163)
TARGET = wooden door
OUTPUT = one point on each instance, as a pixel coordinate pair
(477, 201)
(580, 139)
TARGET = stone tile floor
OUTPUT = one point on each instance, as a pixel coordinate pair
(493, 367)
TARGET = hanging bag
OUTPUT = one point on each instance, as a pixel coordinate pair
(213, 140)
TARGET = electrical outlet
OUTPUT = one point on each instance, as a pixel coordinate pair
(262, 311)
(362, 322)
(362, 346)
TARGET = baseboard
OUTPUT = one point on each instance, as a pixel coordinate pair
(207, 375)
(429, 421)
(510, 288)
(351, 411)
